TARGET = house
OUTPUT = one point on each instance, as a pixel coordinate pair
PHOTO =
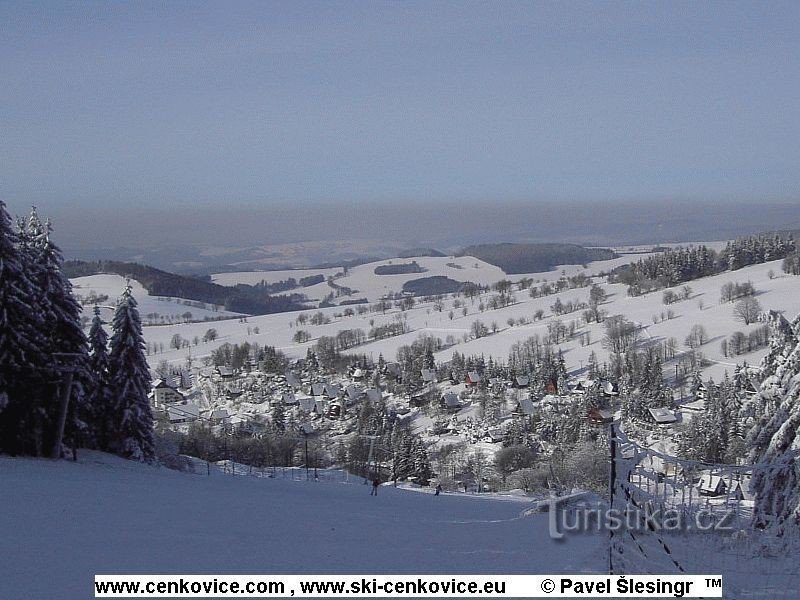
(472, 379)
(581, 386)
(331, 390)
(451, 401)
(293, 380)
(700, 391)
(353, 393)
(224, 372)
(217, 416)
(712, 485)
(307, 403)
(662, 416)
(164, 393)
(393, 370)
(428, 375)
(525, 407)
(600, 416)
(358, 373)
(240, 424)
(696, 406)
(289, 399)
(494, 435)
(609, 388)
(374, 395)
(551, 387)
(318, 389)
(522, 381)
(182, 413)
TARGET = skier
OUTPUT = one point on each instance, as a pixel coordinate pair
(374, 490)
(438, 489)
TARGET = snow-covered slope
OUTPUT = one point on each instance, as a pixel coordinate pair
(152, 308)
(63, 522)
(703, 308)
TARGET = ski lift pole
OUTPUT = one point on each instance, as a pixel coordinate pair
(65, 365)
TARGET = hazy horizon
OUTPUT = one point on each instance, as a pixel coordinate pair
(436, 123)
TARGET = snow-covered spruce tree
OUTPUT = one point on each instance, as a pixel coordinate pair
(132, 417)
(21, 357)
(774, 438)
(100, 395)
(63, 333)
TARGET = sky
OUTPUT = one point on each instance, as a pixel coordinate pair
(109, 106)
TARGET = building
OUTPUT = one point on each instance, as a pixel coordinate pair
(164, 393)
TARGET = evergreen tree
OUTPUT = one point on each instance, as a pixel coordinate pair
(130, 378)
(22, 360)
(64, 333)
(99, 397)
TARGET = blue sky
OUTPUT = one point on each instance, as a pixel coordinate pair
(236, 103)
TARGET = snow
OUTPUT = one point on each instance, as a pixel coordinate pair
(277, 330)
(166, 307)
(140, 519)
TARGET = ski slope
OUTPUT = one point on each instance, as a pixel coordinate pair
(64, 522)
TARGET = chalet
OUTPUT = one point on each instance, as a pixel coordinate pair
(525, 407)
(374, 395)
(451, 401)
(662, 416)
(581, 386)
(164, 393)
(289, 399)
(712, 485)
(521, 381)
(473, 378)
(224, 372)
(599, 416)
(293, 380)
(331, 390)
(494, 435)
(749, 388)
(393, 370)
(307, 403)
(428, 375)
(357, 373)
(182, 413)
(217, 416)
(317, 389)
(353, 393)
(419, 398)
(700, 391)
(609, 388)
(240, 424)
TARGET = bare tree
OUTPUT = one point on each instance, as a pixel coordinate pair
(747, 310)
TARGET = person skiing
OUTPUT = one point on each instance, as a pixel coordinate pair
(438, 489)
(374, 490)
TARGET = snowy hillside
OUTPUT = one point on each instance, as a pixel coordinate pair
(702, 308)
(154, 309)
(107, 515)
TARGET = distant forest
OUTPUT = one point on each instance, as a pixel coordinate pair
(432, 286)
(399, 269)
(253, 300)
(535, 258)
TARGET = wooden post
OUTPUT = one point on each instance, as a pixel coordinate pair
(66, 392)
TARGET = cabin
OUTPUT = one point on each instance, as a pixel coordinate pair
(225, 372)
(393, 370)
(317, 389)
(182, 413)
(451, 401)
(700, 391)
(525, 407)
(521, 382)
(331, 390)
(293, 381)
(217, 416)
(289, 399)
(472, 379)
(353, 393)
(663, 417)
(609, 388)
(551, 387)
(428, 376)
(599, 416)
(712, 485)
(495, 435)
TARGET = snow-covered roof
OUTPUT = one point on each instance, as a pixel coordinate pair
(662, 416)
(183, 412)
(451, 400)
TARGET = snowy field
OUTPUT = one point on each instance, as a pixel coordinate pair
(65, 522)
(703, 308)
(157, 307)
